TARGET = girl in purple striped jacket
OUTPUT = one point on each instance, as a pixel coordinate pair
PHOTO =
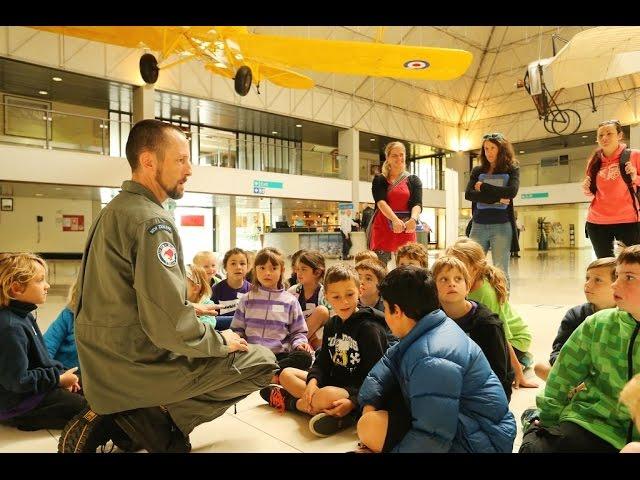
(268, 315)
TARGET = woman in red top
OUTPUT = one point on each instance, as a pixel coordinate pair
(613, 212)
(398, 198)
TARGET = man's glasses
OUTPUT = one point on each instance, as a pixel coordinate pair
(493, 136)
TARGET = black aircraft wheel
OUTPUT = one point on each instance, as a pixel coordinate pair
(242, 81)
(149, 68)
(566, 122)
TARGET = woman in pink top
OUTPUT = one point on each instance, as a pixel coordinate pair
(613, 212)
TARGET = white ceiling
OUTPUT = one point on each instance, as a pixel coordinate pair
(488, 88)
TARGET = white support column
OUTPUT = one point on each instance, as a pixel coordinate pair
(349, 144)
(452, 205)
(232, 222)
(634, 136)
(143, 103)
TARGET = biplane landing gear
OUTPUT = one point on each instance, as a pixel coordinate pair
(242, 80)
(149, 68)
(559, 121)
(555, 120)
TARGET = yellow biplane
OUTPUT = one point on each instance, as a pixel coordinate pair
(235, 53)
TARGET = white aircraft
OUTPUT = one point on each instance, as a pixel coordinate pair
(591, 56)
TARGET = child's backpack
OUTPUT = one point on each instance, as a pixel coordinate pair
(88, 431)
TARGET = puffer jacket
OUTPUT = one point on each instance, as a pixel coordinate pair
(456, 401)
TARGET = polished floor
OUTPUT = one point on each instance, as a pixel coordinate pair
(544, 286)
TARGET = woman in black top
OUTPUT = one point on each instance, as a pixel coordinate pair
(491, 189)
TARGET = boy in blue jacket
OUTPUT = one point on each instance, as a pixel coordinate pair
(434, 391)
(59, 337)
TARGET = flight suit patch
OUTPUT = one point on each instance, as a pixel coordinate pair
(167, 254)
(160, 227)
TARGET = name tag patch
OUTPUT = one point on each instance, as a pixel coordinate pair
(158, 227)
(277, 308)
(167, 254)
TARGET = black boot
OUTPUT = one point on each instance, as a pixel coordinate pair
(153, 429)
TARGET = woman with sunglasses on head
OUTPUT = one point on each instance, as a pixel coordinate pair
(613, 212)
(491, 189)
(398, 197)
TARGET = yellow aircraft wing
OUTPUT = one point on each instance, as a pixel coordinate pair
(166, 40)
(355, 58)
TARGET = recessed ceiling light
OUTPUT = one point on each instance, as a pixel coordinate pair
(56, 79)
(274, 132)
(43, 92)
(58, 188)
(39, 195)
(585, 136)
(521, 151)
(298, 125)
(372, 139)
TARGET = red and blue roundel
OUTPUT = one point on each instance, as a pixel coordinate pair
(416, 64)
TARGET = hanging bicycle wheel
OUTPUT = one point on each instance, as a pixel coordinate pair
(563, 122)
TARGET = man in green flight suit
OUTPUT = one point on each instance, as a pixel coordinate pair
(144, 354)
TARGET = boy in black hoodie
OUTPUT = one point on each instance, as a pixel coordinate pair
(354, 340)
(481, 324)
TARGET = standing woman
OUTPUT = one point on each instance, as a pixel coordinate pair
(491, 189)
(398, 198)
(614, 209)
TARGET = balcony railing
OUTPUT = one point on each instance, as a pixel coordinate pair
(56, 130)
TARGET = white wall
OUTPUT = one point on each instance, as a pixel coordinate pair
(564, 214)
(20, 229)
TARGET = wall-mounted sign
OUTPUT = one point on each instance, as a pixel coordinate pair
(6, 204)
(192, 221)
(526, 196)
(259, 186)
(73, 223)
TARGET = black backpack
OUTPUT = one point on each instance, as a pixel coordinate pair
(624, 159)
(635, 193)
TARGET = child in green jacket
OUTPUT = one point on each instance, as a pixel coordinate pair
(579, 408)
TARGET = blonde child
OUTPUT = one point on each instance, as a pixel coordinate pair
(412, 253)
(199, 291)
(354, 340)
(268, 315)
(59, 337)
(601, 274)
(228, 292)
(630, 396)
(35, 391)
(489, 287)
(482, 325)
(309, 291)
(209, 262)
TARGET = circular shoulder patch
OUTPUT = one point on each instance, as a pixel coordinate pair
(167, 254)
(416, 64)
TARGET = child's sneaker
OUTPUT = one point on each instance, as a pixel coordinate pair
(528, 416)
(324, 425)
(278, 398)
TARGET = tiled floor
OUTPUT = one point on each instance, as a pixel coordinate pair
(545, 285)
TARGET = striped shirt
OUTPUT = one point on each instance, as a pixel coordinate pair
(271, 318)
